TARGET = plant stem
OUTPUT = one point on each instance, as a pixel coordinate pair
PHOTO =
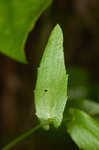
(20, 138)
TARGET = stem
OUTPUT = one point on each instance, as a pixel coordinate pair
(20, 138)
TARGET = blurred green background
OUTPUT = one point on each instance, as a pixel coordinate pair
(79, 21)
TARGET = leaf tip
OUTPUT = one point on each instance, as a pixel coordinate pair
(58, 29)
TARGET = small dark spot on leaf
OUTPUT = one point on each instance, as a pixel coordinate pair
(46, 90)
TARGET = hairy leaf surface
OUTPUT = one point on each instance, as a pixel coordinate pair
(51, 86)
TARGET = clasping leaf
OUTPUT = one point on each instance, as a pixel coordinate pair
(51, 85)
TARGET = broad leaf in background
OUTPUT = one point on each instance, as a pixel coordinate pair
(17, 18)
(51, 86)
(83, 129)
(89, 106)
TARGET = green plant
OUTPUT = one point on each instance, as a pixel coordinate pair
(17, 19)
(52, 80)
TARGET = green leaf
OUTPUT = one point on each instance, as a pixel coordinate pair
(51, 86)
(83, 129)
(17, 18)
(89, 106)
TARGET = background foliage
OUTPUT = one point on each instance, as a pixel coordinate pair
(79, 20)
